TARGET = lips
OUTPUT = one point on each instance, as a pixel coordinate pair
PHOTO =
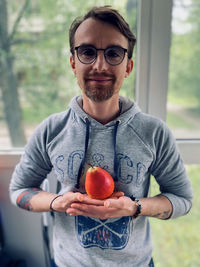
(99, 79)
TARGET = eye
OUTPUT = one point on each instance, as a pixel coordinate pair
(87, 52)
(114, 52)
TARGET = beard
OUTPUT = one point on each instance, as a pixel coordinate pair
(99, 93)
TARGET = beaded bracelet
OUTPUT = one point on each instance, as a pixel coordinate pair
(139, 206)
(50, 206)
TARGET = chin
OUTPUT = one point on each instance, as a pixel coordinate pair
(99, 94)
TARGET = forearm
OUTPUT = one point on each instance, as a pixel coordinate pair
(158, 206)
(36, 200)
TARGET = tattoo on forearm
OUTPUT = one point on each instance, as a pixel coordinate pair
(23, 200)
(162, 215)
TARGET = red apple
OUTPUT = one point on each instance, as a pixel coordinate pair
(99, 183)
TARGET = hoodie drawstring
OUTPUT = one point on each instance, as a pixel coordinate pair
(115, 150)
(87, 136)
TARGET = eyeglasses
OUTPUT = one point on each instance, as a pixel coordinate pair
(87, 54)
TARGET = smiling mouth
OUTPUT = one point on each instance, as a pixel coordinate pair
(99, 80)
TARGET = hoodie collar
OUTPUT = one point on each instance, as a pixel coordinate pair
(128, 110)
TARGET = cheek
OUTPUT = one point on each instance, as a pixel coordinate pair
(119, 83)
(120, 76)
(80, 73)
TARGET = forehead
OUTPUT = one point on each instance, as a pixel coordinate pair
(99, 34)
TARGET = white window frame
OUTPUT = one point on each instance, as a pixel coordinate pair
(153, 47)
(153, 54)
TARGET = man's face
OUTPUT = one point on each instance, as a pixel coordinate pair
(99, 80)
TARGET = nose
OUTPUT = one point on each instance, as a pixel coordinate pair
(100, 63)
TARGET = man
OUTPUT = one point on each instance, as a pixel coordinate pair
(103, 129)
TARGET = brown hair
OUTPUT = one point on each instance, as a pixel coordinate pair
(108, 15)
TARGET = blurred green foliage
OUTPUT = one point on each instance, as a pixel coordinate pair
(45, 80)
(176, 241)
(41, 54)
(46, 83)
(184, 78)
(178, 121)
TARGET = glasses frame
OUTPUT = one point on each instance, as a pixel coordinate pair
(100, 49)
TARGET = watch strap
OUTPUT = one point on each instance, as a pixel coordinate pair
(139, 206)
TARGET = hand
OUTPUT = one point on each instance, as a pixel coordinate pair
(62, 203)
(117, 205)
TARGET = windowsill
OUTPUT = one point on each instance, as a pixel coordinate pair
(10, 158)
(190, 150)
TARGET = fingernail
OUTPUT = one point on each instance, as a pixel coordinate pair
(80, 197)
(107, 204)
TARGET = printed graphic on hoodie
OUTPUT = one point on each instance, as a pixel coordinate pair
(105, 234)
(128, 170)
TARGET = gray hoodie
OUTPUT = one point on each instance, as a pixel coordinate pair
(130, 148)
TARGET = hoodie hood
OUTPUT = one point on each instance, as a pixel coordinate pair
(128, 110)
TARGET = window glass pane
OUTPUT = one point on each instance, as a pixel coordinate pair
(36, 79)
(183, 109)
(176, 242)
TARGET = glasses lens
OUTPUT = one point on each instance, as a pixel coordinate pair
(86, 54)
(114, 55)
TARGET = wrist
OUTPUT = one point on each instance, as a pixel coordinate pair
(138, 206)
(51, 203)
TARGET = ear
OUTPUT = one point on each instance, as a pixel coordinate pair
(72, 63)
(129, 67)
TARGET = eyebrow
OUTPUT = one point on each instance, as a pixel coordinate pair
(112, 45)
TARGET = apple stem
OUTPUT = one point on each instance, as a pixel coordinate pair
(91, 165)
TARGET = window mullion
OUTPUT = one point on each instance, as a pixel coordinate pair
(154, 33)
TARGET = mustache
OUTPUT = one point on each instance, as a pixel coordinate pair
(100, 74)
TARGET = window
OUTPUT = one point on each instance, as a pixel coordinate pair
(183, 106)
(154, 41)
(153, 54)
(36, 78)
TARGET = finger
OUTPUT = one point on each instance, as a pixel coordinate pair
(117, 194)
(92, 201)
(97, 211)
(72, 197)
(75, 212)
(113, 203)
(85, 212)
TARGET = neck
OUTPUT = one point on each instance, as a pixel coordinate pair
(104, 111)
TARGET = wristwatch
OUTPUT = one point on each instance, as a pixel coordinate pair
(139, 206)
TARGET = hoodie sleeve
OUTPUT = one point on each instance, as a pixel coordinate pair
(34, 164)
(169, 172)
